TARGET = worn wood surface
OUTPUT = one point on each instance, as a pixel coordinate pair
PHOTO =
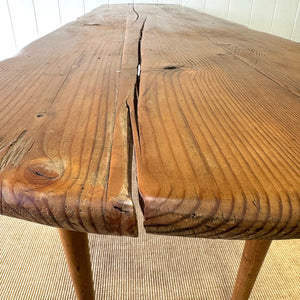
(65, 140)
(277, 58)
(214, 116)
(217, 134)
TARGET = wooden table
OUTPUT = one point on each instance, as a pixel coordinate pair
(210, 107)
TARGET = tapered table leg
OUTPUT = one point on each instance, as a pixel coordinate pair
(252, 259)
(76, 249)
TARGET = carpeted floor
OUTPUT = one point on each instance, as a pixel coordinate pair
(32, 266)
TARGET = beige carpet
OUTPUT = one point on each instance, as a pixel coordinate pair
(32, 266)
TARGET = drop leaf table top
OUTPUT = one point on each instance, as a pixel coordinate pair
(211, 108)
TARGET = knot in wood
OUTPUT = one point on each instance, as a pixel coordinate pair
(170, 67)
(43, 171)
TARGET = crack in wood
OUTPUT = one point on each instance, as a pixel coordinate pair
(16, 150)
(120, 209)
(93, 24)
(138, 79)
(137, 14)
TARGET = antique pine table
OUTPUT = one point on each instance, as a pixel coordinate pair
(210, 107)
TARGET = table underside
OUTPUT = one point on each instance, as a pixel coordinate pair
(210, 107)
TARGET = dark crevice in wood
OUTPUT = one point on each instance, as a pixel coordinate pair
(138, 79)
(170, 67)
(121, 209)
(92, 24)
(43, 175)
(130, 148)
(100, 135)
(141, 201)
(40, 115)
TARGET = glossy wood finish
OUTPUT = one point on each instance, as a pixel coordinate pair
(217, 134)
(65, 141)
(252, 259)
(76, 248)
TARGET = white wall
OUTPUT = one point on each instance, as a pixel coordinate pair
(22, 21)
(279, 17)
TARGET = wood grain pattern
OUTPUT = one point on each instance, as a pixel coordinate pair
(217, 140)
(276, 58)
(65, 158)
(214, 114)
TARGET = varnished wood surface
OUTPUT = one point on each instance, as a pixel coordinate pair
(217, 135)
(65, 140)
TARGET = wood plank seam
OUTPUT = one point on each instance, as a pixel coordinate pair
(217, 130)
(129, 67)
(138, 79)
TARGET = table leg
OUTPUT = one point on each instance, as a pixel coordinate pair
(252, 259)
(76, 249)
